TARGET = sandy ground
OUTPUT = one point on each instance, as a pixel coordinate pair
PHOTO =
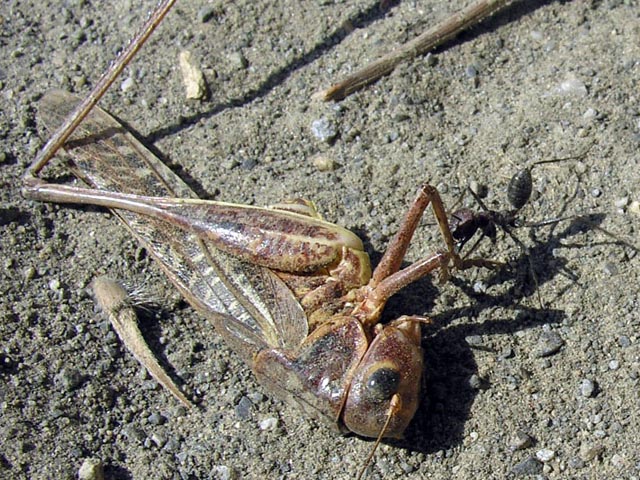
(513, 388)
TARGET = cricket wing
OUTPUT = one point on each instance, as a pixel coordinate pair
(250, 306)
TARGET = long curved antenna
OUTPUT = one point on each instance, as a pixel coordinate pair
(82, 110)
(394, 406)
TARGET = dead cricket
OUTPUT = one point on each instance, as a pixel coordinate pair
(294, 295)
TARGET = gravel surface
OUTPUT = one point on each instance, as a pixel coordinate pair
(515, 388)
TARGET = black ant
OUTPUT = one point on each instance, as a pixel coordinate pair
(464, 223)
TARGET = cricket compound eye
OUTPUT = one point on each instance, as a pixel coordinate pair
(382, 384)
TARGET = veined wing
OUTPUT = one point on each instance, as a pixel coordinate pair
(250, 306)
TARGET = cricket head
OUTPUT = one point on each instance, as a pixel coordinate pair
(385, 391)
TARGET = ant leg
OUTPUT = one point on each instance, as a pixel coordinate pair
(525, 251)
(467, 263)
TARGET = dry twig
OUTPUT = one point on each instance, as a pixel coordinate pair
(114, 302)
(450, 27)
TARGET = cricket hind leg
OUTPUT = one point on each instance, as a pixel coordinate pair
(114, 302)
(394, 255)
(388, 278)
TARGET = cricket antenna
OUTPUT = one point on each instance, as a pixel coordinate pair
(394, 406)
(82, 110)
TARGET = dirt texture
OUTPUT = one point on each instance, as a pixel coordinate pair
(514, 388)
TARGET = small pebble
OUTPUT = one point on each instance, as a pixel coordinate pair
(79, 81)
(230, 163)
(91, 469)
(596, 192)
(545, 455)
(324, 129)
(135, 434)
(549, 343)
(179, 411)
(580, 168)
(590, 451)
(195, 85)
(634, 207)
(614, 365)
(29, 273)
(587, 388)
(520, 440)
(6, 362)
(617, 460)
(590, 113)
(248, 164)
(610, 268)
(507, 353)
(69, 379)
(474, 340)
(221, 472)
(480, 287)
(244, 408)
(158, 440)
(576, 463)
(256, 397)
(156, 419)
(471, 71)
(572, 85)
(529, 466)
(407, 468)
(269, 423)
(431, 59)
(443, 188)
(475, 382)
(206, 13)
(127, 84)
(172, 445)
(237, 60)
(392, 136)
(624, 341)
(324, 163)
(536, 35)
(479, 189)
(622, 202)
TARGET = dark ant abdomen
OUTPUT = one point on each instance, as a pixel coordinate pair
(520, 188)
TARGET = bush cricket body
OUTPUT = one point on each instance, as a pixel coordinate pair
(292, 294)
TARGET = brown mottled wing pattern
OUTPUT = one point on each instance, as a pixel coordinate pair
(250, 306)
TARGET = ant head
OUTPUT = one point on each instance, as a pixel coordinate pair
(464, 223)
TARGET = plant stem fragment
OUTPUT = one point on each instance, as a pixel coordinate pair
(435, 36)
